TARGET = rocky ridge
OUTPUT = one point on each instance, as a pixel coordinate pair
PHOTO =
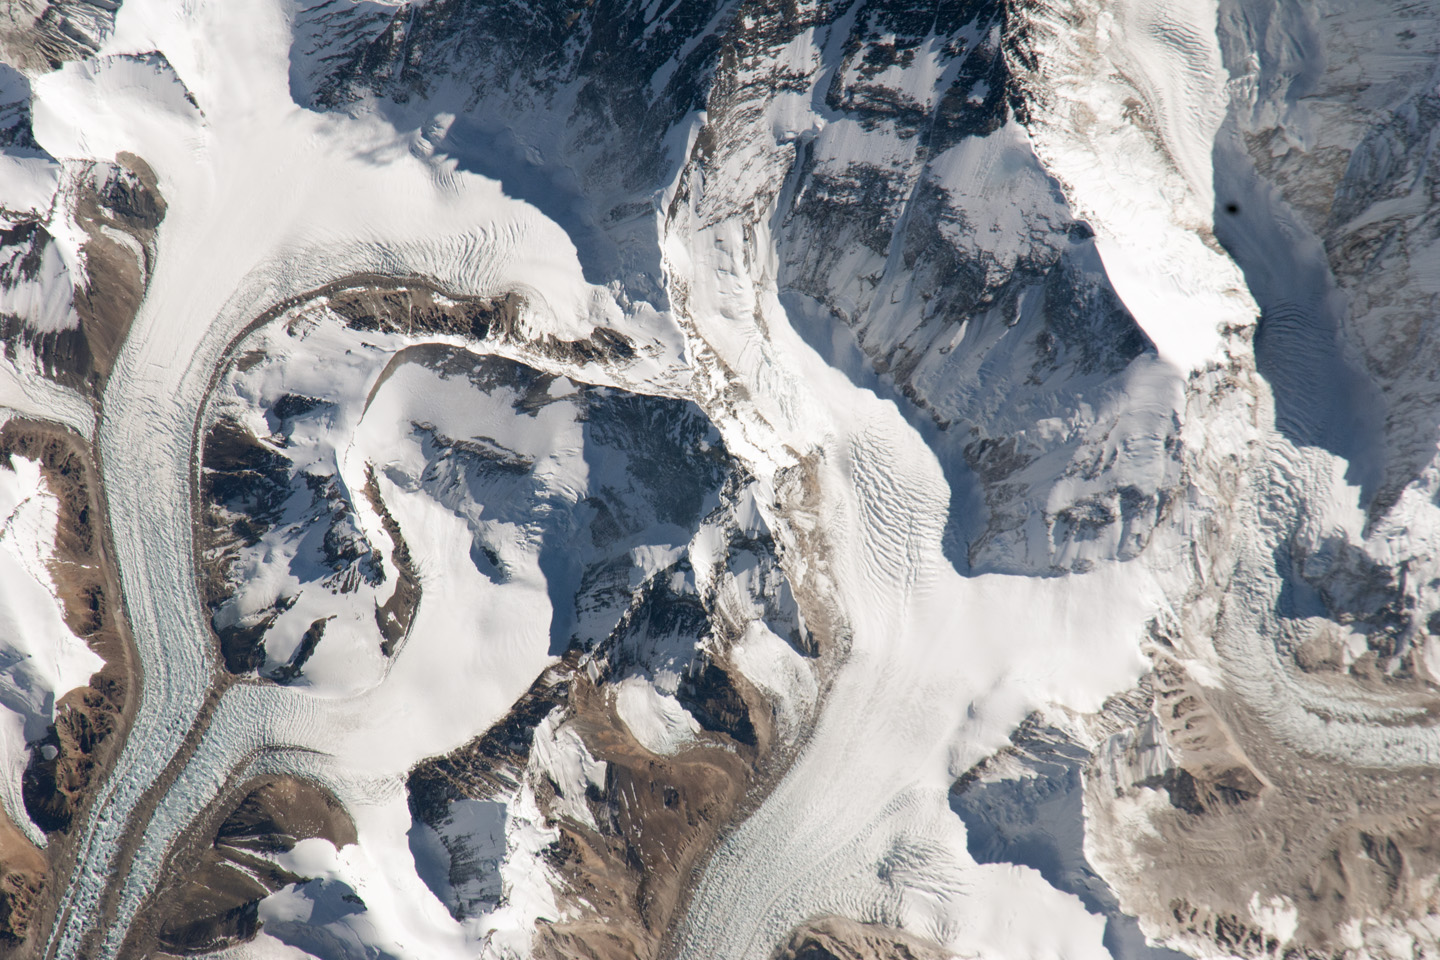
(70, 761)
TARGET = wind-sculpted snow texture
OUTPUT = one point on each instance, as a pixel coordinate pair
(732, 479)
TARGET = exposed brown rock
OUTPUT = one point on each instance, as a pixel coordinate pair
(1268, 829)
(128, 200)
(419, 309)
(303, 652)
(243, 484)
(22, 875)
(493, 763)
(220, 873)
(395, 615)
(656, 817)
(835, 938)
(659, 817)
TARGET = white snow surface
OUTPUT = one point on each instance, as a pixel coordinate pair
(27, 183)
(45, 301)
(657, 720)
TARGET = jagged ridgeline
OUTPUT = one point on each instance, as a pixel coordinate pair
(306, 551)
(370, 492)
(917, 235)
(790, 443)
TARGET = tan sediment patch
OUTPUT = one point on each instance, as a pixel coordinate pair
(117, 273)
(91, 721)
(656, 818)
(1279, 855)
(1213, 769)
(395, 615)
(835, 938)
(217, 876)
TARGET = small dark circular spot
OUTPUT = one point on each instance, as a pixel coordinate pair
(1232, 208)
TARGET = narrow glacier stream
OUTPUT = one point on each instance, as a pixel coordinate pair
(144, 446)
(940, 670)
(940, 667)
(271, 213)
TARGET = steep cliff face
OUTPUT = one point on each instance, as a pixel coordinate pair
(1328, 139)
(77, 248)
(36, 35)
(871, 150)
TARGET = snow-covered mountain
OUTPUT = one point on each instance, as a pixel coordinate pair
(721, 479)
